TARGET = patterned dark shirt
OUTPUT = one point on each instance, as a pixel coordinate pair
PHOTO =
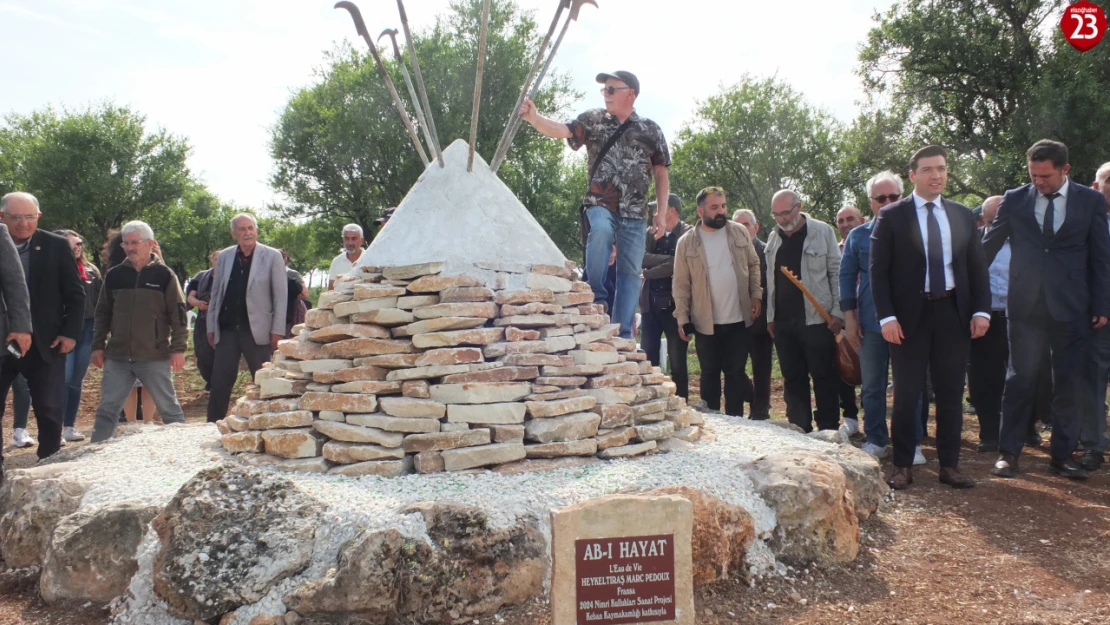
(622, 180)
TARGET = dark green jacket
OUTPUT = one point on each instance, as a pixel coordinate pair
(142, 311)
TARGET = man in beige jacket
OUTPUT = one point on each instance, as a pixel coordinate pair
(717, 294)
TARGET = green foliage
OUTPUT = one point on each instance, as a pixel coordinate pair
(311, 244)
(93, 169)
(341, 152)
(755, 138)
(191, 229)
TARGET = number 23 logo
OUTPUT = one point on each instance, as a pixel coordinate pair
(1083, 25)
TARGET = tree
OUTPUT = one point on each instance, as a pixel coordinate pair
(94, 169)
(755, 138)
(191, 229)
(311, 244)
(340, 151)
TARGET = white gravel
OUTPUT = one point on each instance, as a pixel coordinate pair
(153, 464)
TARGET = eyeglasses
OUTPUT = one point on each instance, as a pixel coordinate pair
(611, 89)
(132, 243)
(887, 199)
(22, 217)
(786, 213)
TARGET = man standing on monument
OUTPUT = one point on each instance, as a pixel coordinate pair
(656, 301)
(352, 251)
(625, 151)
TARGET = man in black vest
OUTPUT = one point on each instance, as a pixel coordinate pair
(656, 301)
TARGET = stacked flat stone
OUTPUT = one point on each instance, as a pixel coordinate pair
(402, 369)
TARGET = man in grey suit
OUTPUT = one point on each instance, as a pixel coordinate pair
(246, 312)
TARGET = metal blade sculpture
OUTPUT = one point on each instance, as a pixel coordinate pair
(360, 26)
(420, 81)
(478, 84)
(392, 32)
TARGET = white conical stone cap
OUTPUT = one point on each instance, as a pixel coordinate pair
(460, 218)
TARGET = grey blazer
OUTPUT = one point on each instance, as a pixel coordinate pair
(15, 302)
(267, 290)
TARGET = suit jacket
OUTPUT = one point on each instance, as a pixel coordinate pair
(658, 264)
(1073, 267)
(57, 293)
(898, 263)
(15, 301)
(760, 323)
(266, 292)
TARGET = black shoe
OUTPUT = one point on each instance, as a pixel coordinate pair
(1068, 468)
(1006, 466)
(987, 446)
(1091, 461)
(1033, 440)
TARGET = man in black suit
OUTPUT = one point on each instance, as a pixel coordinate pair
(1059, 292)
(657, 303)
(762, 344)
(932, 296)
(57, 297)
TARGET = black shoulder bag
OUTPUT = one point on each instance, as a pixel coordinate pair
(583, 220)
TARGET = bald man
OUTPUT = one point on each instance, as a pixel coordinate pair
(847, 219)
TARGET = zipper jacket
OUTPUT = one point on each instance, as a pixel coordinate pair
(141, 314)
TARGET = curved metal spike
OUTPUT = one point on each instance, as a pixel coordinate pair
(420, 82)
(483, 30)
(356, 15)
(392, 33)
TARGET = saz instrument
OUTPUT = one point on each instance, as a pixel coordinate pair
(847, 358)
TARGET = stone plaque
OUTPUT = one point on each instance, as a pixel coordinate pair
(623, 559)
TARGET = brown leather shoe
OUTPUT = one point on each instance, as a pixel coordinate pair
(900, 478)
(955, 479)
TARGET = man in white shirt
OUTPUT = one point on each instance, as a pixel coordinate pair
(352, 251)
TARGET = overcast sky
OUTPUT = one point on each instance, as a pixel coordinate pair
(219, 72)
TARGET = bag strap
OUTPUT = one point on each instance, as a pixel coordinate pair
(609, 143)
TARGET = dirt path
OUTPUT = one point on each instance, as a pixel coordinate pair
(1033, 550)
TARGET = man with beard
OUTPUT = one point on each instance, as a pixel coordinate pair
(352, 251)
(718, 294)
(806, 345)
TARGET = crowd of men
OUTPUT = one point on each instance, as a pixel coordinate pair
(1013, 297)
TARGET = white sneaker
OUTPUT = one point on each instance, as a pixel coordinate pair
(20, 438)
(918, 457)
(850, 427)
(874, 450)
(72, 435)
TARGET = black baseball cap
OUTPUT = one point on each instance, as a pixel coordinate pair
(386, 214)
(673, 201)
(627, 78)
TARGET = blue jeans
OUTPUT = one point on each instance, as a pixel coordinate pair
(77, 364)
(874, 363)
(629, 235)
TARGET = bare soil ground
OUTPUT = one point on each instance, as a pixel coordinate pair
(1032, 550)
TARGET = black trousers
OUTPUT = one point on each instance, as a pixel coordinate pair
(225, 369)
(761, 354)
(724, 352)
(655, 323)
(46, 381)
(986, 380)
(205, 353)
(1067, 340)
(939, 345)
(848, 406)
(809, 352)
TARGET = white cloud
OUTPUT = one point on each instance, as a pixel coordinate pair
(219, 72)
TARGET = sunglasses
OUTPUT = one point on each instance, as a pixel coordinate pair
(611, 89)
(887, 199)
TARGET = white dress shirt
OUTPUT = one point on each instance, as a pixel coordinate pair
(945, 243)
(1059, 207)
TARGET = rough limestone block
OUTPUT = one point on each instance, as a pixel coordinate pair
(320, 318)
(516, 334)
(538, 409)
(498, 374)
(477, 336)
(480, 392)
(655, 431)
(435, 284)
(428, 462)
(298, 443)
(329, 299)
(569, 382)
(358, 434)
(572, 370)
(347, 309)
(409, 272)
(341, 452)
(387, 317)
(627, 451)
(546, 360)
(484, 310)
(440, 441)
(221, 425)
(565, 428)
(352, 374)
(616, 395)
(438, 324)
(239, 442)
(621, 368)
(610, 381)
(384, 468)
(426, 373)
(281, 387)
(236, 423)
(573, 299)
(535, 308)
(303, 465)
(507, 413)
(395, 424)
(542, 281)
(551, 393)
(409, 408)
(410, 302)
(453, 427)
(376, 291)
(583, 447)
(653, 379)
(466, 294)
(583, 357)
(449, 356)
(360, 348)
(484, 455)
(507, 432)
(343, 402)
(689, 434)
(615, 438)
(315, 387)
(652, 418)
(415, 388)
(331, 415)
(279, 420)
(525, 296)
(344, 331)
(329, 365)
(649, 408)
(388, 361)
(367, 387)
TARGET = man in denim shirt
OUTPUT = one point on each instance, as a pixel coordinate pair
(860, 321)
